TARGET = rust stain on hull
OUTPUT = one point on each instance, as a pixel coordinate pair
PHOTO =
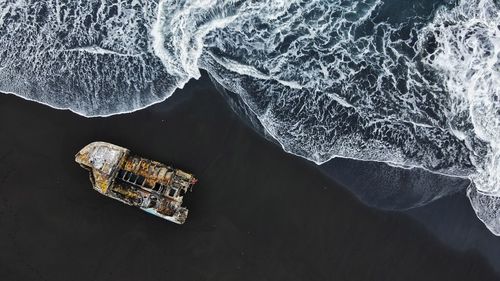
(149, 185)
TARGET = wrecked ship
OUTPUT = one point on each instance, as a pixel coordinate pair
(152, 186)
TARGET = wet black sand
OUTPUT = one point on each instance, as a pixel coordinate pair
(256, 214)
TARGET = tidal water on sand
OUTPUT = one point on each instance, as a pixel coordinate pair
(409, 87)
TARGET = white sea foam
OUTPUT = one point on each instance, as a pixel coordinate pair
(468, 57)
(93, 57)
(361, 94)
(428, 98)
(180, 29)
(324, 78)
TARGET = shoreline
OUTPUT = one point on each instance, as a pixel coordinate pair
(257, 212)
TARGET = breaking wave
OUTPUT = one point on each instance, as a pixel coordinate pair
(93, 57)
(413, 85)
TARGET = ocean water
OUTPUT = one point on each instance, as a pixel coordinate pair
(411, 85)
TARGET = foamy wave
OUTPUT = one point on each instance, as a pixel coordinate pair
(353, 79)
(92, 57)
(410, 94)
(180, 29)
(467, 54)
(358, 91)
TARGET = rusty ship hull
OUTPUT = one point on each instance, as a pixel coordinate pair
(154, 187)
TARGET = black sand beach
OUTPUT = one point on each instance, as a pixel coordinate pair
(257, 213)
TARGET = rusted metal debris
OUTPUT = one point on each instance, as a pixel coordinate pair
(152, 186)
